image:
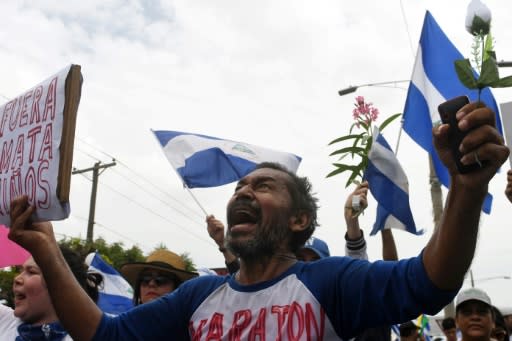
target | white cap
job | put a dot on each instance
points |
(472, 294)
(505, 311)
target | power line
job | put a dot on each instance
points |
(148, 209)
(122, 235)
(162, 201)
(96, 148)
(113, 231)
(187, 230)
(407, 29)
(145, 190)
(156, 187)
(88, 154)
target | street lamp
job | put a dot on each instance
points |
(484, 279)
(353, 88)
(505, 64)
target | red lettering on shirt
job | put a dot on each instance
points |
(258, 329)
(241, 320)
(195, 334)
(311, 321)
(281, 312)
(215, 328)
(295, 325)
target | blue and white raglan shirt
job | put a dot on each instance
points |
(329, 299)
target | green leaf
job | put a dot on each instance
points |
(465, 73)
(352, 150)
(352, 177)
(352, 127)
(356, 141)
(489, 73)
(364, 125)
(345, 166)
(488, 47)
(340, 168)
(336, 172)
(346, 137)
(389, 120)
(504, 82)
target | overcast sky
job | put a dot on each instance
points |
(262, 72)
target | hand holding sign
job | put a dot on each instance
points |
(37, 134)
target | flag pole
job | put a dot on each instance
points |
(195, 199)
(183, 181)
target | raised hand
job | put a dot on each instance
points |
(215, 230)
(508, 189)
(483, 144)
(32, 236)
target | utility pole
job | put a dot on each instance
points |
(92, 208)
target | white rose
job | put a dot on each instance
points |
(478, 18)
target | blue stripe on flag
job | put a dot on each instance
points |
(205, 161)
(434, 80)
(116, 294)
(388, 184)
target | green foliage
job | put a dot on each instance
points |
(114, 254)
(6, 280)
(465, 73)
(484, 57)
(189, 263)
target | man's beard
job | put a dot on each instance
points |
(266, 242)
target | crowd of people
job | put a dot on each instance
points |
(283, 282)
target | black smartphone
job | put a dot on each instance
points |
(447, 111)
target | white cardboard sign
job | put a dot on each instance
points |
(30, 135)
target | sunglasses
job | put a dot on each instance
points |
(159, 280)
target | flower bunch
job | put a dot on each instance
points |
(478, 23)
(364, 112)
(359, 145)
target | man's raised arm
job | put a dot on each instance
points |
(450, 250)
(76, 311)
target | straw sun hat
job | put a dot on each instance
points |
(161, 260)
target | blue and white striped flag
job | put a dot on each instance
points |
(434, 80)
(205, 161)
(388, 184)
(116, 295)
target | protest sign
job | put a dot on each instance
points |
(506, 118)
(37, 130)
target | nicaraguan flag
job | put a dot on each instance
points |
(388, 184)
(434, 81)
(116, 295)
(205, 161)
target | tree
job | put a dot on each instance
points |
(189, 263)
(6, 279)
(114, 254)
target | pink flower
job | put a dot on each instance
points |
(364, 111)
(374, 114)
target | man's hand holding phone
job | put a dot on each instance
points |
(468, 143)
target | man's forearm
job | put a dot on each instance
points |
(450, 251)
(76, 311)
